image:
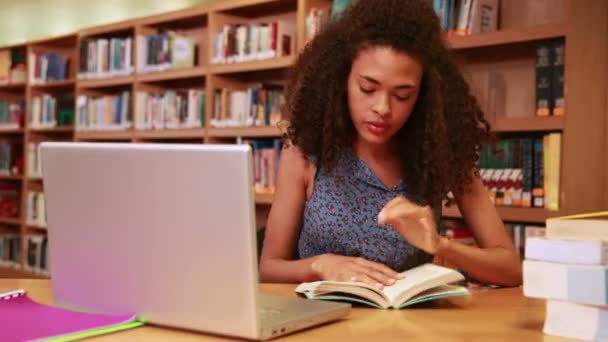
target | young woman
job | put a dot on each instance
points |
(382, 127)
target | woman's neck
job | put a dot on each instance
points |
(367, 151)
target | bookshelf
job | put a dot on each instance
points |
(504, 58)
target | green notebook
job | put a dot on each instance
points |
(420, 284)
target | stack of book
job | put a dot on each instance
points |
(569, 268)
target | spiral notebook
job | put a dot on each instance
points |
(23, 319)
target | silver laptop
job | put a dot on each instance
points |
(166, 231)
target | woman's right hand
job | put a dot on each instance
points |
(354, 269)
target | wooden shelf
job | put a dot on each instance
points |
(12, 86)
(56, 129)
(264, 197)
(36, 228)
(510, 214)
(253, 132)
(105, 82)
(260, 65)
(505, 37)
(10, 220)
(531, 124)
(174, 74)
(170, 133)
(10, 272)
(104, 135)
(55, 84)
(11, 131)
(11, 177)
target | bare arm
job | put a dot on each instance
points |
(495, 260)
(284, 221)
(296, 175)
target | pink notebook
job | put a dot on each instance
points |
(22, 319)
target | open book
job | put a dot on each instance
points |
(420, 284)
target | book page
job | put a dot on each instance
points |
(419, 279)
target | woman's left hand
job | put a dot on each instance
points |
(415, 223)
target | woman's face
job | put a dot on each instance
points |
(383, 86)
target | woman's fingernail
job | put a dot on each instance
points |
(391, 281)
(380, 286)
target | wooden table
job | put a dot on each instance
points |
(487, 315)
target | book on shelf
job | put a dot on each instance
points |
(5, 67)
(314, 23)
(48, 111)
(12, 66)
(11, 114)
(466, 17)
(255, 106)
(36, 209)
(420, 284)
(171, 109)
(167, 50)
(266, 156)
(11, 160)
(36, 254)
(249, 42)
(47, 67)
(523, 172)
(105, 113)
(105, 57)
(10, 250)
(549, 75)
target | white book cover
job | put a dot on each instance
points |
(582, 252)
(584, 284)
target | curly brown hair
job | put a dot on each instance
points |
(439, 143)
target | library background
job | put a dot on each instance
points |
(214, 72)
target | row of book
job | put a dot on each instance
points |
(109, 112)
(568, 268)
(47, 67)
(36, 254)
(549, 74)
(34, 163)
(248, 42)
(105, 57)
(255, 106)
(36, 209)
(10, 159)
(314, 23)
(167, 50)
(12, 66)
(11, 114)
(464, 17)
(266, 154)
(10, 250)
(9, 199)
(171, 109)
(48, 111)
(523, 172)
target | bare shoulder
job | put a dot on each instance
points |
(296, 164)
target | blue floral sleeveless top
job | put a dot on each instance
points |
(341, 217)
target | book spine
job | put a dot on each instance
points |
(543, 79)
(558, 77)
(538, 193)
